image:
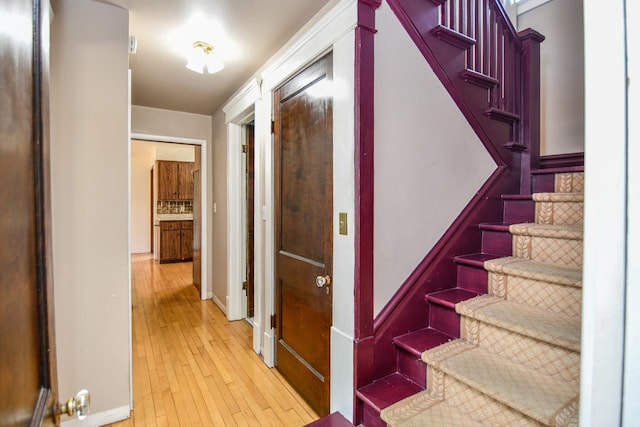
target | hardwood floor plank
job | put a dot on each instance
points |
(191, 367)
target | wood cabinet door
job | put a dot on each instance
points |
(185, 181)
(186, 244)
(167, 180)
(170, 247)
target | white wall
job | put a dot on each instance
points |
(605, 289)
(562, 74)
(175, 152)
(428, 161)
(143, 155)
(89, 168)
(219, 217)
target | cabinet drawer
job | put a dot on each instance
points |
(170, 225)
(187, 225)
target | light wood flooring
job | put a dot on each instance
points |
(191, 367)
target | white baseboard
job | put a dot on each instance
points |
(219, 303)
(101, 418)
(268, 349)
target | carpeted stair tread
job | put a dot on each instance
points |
(547, 230)
(421, 340)
(558, 197)
(423, 410)
(530, 269)
(543, 325)
(387, 391)
(541, 397)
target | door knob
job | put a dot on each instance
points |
(78, 405)
(323, 280)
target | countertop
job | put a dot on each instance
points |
(173, 217)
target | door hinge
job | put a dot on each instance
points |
(245, 286)
(273, 321)
(244, 148)
(273, 126)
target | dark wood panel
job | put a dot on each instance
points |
(185, 181)
(186, 244)
(167, 180)
(250, 130)
(170, 248)
(28, 387)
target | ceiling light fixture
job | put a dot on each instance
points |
(203, 56)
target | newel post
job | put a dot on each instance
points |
(363, 292)
(530, 159)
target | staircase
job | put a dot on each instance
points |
(517, 361)
(506, 276)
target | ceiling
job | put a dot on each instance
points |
(249, 33)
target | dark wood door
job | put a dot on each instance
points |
(250, 180)
(304, 205)
(28, 388)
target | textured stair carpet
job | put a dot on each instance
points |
(517, 362)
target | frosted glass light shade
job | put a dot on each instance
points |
(203, 56)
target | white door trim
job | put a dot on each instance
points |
(238, 111)
(206, 291)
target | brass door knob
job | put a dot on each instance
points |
(76, 406)
(322, 281)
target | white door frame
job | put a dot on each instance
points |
(205, 291)
(238, 112)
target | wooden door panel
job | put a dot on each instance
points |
(185, 180)
(167, 180)
(304, 206)
(305, 325)
(186, 243)
(170, 249)
(28, 387)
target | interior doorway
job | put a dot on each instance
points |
(150, 213)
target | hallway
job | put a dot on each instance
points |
(191, 367)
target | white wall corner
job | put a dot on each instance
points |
(342, 373)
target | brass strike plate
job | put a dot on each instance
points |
(342, 223)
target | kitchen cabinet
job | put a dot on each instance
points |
(175, 180)
(176, 241)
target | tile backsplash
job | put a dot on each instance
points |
(174, 207)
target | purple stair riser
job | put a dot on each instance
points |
(335, 419)
(517, 211)
(543, 183)
(444, 319)
(371, 417)
(472, 279)
(496, 243)
(412, 367)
